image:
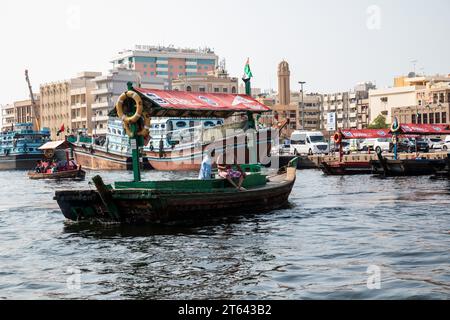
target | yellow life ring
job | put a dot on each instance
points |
(139, 107)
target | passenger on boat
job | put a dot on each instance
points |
(206, 167)
(226, 171)
(38, 168)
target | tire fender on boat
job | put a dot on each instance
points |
(338, 137)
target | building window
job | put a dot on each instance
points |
(233, 90)
(425, 118)
(202, 89)
(225, 90)
(438, 117)
(188, 89)
(413, 118)
(216, 90)
(419, 119)
(444, 117)
(431, 118)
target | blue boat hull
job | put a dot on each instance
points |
(20, 162)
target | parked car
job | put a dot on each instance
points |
(446, 145)
(382, 145)
(435, 143)
(366, 144)
(346, 147)
(411, 145)
(308, 142)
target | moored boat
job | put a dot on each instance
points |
(19, 146)
(58, 165)
(166, 201)
(346, 168)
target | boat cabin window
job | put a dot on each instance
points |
(209, 124)
(181, 124)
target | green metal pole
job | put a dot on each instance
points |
(136, 142)
(252, 125)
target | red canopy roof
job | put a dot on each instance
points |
(366, 133)
(405, 129)
(177, 103)
(425, 129)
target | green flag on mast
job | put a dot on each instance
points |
(247, 71)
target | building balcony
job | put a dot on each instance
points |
(353, 115)
(101, 105)
(79, 119)
(78, 106)
(100, 91)
(340, 116)
(100, 118)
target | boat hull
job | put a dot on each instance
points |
(147, 206)
(93, 159)
(409, 167)
(20, 162)
(346, 168)
(69, 174)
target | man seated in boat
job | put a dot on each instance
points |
(226, 171)
(39, 167)
(206, 166)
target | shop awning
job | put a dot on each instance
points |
(366, 133)
(53, 145)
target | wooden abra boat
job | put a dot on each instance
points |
(165, 201)
(346, 168)
(407, 167)
(57, 152)
(77, 174)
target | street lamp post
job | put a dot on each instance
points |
(302, 105)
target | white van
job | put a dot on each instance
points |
(308, 142)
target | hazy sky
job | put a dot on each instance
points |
(329, 44)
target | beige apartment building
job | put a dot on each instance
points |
(435, 111)
(351, 108)
(8, 117)
(23, 110)
(66, 100)
(217, 81)
(411, 95)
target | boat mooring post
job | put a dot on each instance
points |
(136, 142)
(251, 125)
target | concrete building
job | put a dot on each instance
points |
(109, 87)
(217, 81)
(64, 101)
(413, 92)
(167, 62)
(351, 107)
(435, 111)
(23, 110)
(81, 100)
(256, 92)
(8, 118)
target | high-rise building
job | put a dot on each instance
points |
(109, 87)
(168, 63)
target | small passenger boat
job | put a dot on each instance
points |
(345, 168)
(167, 201)
(58, 164)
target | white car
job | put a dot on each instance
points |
(382, 145)
(308, 142)
(446, 145)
